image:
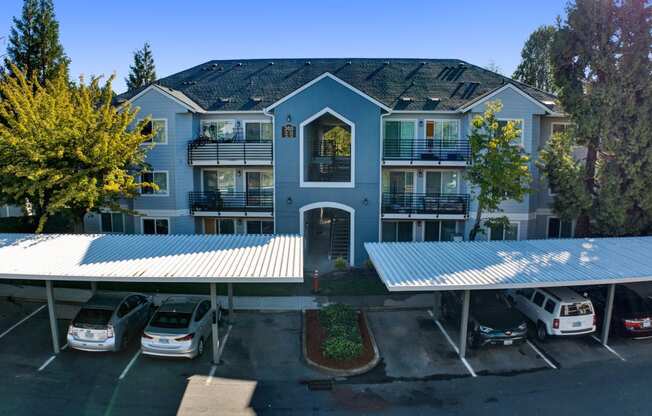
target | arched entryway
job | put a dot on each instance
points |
(328, 229)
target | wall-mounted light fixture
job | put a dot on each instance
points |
(238, 172)
(289, 200)
(289, 119)
(365, 201)
(420, 173)
(420, 123)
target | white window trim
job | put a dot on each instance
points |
(214, 119)
(244, 130)
(122, 214)
(439, 120)
(310, 184)
(327, 204)
(558, 123)
(142, 224)
(441, 185)
(167, 184)
(522, 142)
(518, 231)
(560, 221)
(164, 120)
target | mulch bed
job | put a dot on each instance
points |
(316, 335)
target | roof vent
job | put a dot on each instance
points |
(308, 62)
(348, 62)
(386, 63)
(548, 102)
(434, 99)
(256, 99)
(239, 64)
(225, 100)
(406, 99)
(214, 65)
(271, 62)
(423, 62)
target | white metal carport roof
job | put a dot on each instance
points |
(153, 258)
(428, 266)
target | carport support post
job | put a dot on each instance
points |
(49, 293)
(93, 288)
(436, 305)
(606, 322)
(229, 289)
(464, 322)
(216, 333)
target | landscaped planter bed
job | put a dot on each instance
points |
(315, 335)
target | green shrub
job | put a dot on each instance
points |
(369, 265)
(340, 348)
(349, 332)
(341, 264)
(337, 314)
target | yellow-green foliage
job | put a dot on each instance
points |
(64, 146)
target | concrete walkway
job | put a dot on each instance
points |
(269, 303)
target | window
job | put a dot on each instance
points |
(500, 233)
(219, 226)
(222, 180)
(160, 178)
(203, 307)
(445, 133)
(502, 123)
(156, 226)
(538, 299)
(399, 138)
(158, 125)
(526, 293)
(398, 182)
(560, 128)
(113, 222)
(218, 129)
(439, 230)
(442, 182)
(397, 231)
(550, 306)
(327, 146)
(258, 131)
(559, 229)
(260, 227)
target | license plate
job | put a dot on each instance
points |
(646, 323)
(164, 340)
(577, 324)
(508, 342)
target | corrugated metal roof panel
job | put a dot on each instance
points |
(152, 258)
(414, 266)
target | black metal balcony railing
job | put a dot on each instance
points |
(329, 169)
(250, 201)
(426, 150)
(416, 203)
(209, 150)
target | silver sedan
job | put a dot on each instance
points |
(181, 327)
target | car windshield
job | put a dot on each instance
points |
(92, 316)
(171, 320)
(576, 309)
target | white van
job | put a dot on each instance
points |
(555, 311)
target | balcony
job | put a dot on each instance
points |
(425, 206)
(258, 203)
(425, 153)
(209, 152)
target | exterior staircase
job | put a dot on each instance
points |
(339, 244)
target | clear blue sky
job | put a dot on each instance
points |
(100, 37)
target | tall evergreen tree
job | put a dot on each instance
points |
(536, 67)
(142, 72)
(34, 45)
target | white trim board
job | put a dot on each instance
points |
(337, 205)
(157, 87)
(334, 78)
(467, 107)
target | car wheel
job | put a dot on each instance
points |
(542, 333)
(200, 347)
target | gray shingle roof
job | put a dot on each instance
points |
(401, 84)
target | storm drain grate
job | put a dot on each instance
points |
(320, 385)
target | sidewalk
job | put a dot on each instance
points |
(263, 303)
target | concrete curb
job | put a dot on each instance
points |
(336, 372)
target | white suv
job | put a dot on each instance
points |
(555, 311)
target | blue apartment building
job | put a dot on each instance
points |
(341, 151)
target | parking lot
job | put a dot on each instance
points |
(260, 349)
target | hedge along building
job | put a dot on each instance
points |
(342, 151)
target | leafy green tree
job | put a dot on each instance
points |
(536, 67)
(565, 176)
(142, 72)
(34, 45)
(499, 168)
(66, 148)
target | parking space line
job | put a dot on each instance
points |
(209, 380)
(452, 344)
(49, 360)
(541, 354)
(211, 374)
(22, 320)
(128, 367)
(611, 350)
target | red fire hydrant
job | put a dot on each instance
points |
(315, 281)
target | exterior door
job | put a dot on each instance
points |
(259, 187)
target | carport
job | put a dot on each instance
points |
(202, 259)
(467, 266)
